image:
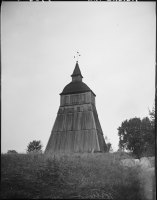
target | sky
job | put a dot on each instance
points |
(116, 41)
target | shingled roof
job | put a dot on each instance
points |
(77, 71)
(76, 87)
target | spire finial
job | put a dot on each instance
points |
(77, 55)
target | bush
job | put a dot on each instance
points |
(34, 147)
(68, 176)
(11, 152)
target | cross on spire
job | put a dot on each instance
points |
(77, 56)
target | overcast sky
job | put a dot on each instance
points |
(116, 41)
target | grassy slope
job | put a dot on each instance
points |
(27, 176)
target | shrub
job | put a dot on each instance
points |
(34, 147)
(68, 176)
(11, 152)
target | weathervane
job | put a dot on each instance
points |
(77, 55)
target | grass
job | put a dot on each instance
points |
(75, 176)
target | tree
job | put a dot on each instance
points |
(109, 147)
(148, 133)
(129, 135)
(152, 116)
(136, 135)
(11, 152)
(34, 147)
(108, 144)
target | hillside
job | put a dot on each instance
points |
(78, 176)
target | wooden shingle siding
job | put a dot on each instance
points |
(98, 126)
(76, 132)
(77, 141)
(75, 121)
(77, 127)
(80, 98)
(102, 143)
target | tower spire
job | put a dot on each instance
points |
(77, 76)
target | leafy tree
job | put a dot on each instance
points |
(109, 147)
(136, 135)
(152, 116)
(34, 147)
(148, 133)
(108, 144)
(11, 152)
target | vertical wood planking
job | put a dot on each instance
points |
(80, 98)
(77, 127)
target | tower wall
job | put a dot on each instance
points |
(77, 78)
(79, 98)
(77, 127)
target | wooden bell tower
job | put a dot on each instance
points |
(77, 127)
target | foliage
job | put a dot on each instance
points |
(34, 147)
(136, 135)
(11, 152)
(108, 145)
(152, 116)
(98, 176)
